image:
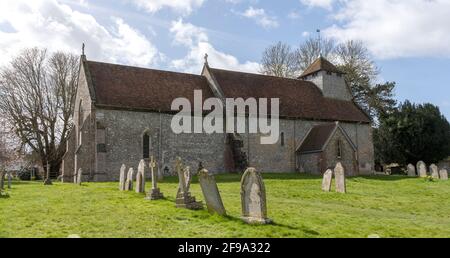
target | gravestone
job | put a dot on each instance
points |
(79, 176)
(422, 169)
(443, 174)
(156, 192)
(129, 181)
(326, 182)
(184, 198)
(140, 177)
(122, 177)
(411, 170)
(253, 198)
(434, 171)
(211, 193)
(339, 174)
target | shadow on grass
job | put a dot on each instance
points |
(388, 178)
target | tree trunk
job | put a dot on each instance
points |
(54, 169)
(2, 180)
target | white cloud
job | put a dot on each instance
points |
(56, 26)
(197, 42)
(395, 28)
(260, 17)
(181, 6)
(327, 4)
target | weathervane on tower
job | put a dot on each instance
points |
(82, 48)
(319, 42)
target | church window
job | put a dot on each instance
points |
(282, 139)
(80, 121)
(146, 146)
(339, 149)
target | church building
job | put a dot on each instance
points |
(123, 114)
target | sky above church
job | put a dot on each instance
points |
(409, 39)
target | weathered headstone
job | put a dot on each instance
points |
(422, 169)
(443, 174)
(211, 193)
(253, 198)
(326, 182)
(184, 198)
(122, 177)
(156, 192)
(434, 171)
(129, 181)
(411, 170)
(339, 174)
(79, 176)
(140, 177)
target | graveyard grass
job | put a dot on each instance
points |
(386, 206)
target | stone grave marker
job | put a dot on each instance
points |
(327, 179)
(211, 193)
(79, 176)
(122, 177)
(156, 192)
(443, 174)
(140, 177)
(411, 170)
(129, 181)
(422, 169)
(434, 171)
(184, 198)
(339, 174)
(253, 198)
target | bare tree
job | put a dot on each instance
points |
(279, 60)
(38, 92)
(311, 49)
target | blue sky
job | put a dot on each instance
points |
(409, 39)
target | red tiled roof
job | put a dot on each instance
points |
(298, 98)
(139, 88)
(321, 64)
(317, 137)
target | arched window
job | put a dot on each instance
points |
(146, 146)
(282, 139)
(80, 121)
(339, 149)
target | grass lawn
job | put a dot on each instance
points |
(387, 206)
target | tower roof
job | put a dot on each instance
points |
(321, 64)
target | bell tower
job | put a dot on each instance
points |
(328, 79)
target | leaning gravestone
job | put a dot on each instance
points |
(339, 174)
(129, 182)
(411, 170)
(184, 198)
(122, 177)
(422, 169)
(211, 193)
(326, 182)
(253, 198)
(140, 177)
(443, 174)
(434, 171)
(156, 192)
